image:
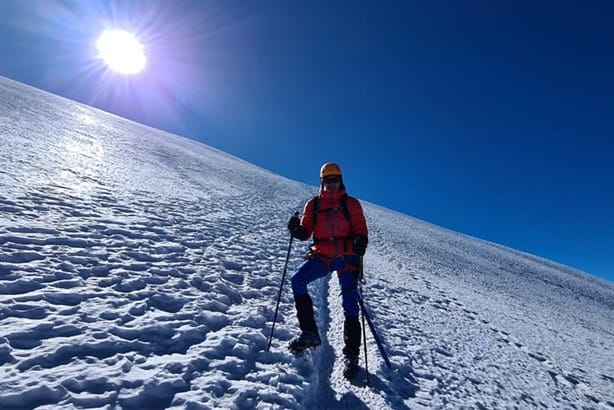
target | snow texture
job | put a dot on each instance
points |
(140, 270)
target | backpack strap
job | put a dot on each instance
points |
(316, 209)
(345, 210)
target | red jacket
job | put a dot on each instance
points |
(331, 232)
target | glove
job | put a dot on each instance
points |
(294, 225)
(360, 244)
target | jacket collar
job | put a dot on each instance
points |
(332, 195)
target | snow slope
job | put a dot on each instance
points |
(139, 270)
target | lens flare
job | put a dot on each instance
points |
(121, 51)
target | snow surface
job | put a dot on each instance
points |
(140, 270)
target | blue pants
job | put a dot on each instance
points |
(313, 269)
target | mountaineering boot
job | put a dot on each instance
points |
(350, 367)
(309, 331)
(305, 341)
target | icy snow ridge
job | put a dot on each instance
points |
(139, 270)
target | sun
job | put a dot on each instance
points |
(121, 51)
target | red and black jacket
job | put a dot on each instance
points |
(332, 232)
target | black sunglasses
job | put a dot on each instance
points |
(331, 180)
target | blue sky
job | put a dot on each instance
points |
(490, 118)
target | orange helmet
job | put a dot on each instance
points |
(330, 169)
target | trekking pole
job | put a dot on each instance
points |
(378, 340)
(362, 314)
(281, 287)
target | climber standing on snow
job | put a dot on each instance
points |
(339, 230)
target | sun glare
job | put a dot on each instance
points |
(121, 51)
